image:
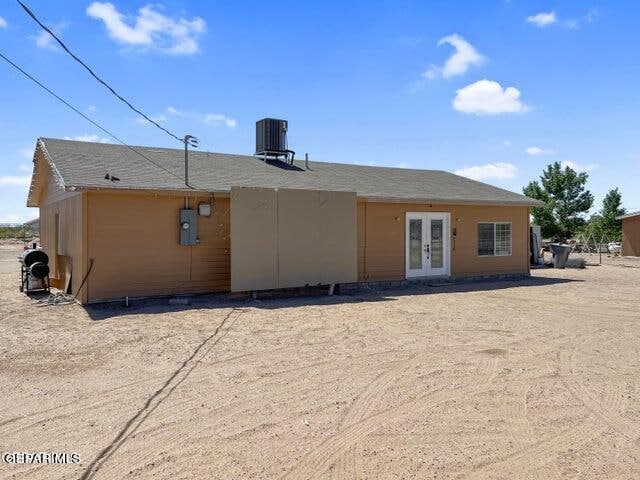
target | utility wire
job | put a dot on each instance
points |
(48, 90)
(94, 75)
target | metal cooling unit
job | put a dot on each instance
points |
(271, 139)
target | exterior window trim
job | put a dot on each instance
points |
(495, 238)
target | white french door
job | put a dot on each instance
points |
(427, 244)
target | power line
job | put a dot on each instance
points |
(59, 98)
(93, 74)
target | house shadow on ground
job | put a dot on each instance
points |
(304, 297)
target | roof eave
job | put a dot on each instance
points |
(374, 199)
(628, 215)
(449, 201)
(35, 202)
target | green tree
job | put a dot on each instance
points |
(605, 223)
(565, 201)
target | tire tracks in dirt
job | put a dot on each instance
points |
(247, 400)
(88, 403)
(522, 433)
(349, 465)
(174, 381)
(320, 459)
(536, 455)
(604, 411)
(530, 457)
(520, 429)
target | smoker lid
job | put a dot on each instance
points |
(29, 257)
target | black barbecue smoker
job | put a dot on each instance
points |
(34, 270)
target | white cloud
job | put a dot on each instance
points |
(3, 23)
(23, 167)
(487, 97)
(44, 40)
(498, 171)
(174, 111)
(156, 118)
(506, 143)
(92, 108)
(537, 151)
(150, 29)
(586, 19)
(579, 167)
(464, 56)
(542, 19)
(217, 119)
(88, 138)
(15, 180)
(591, 16)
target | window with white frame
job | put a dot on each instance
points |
(494, 239)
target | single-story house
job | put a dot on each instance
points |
(120, 222)
(630, 234)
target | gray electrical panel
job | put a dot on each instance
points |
(188, 227)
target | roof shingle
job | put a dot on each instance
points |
(84, 165)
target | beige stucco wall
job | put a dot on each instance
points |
(381, 239)
(291, 238)
(254, 238)
(631, 236)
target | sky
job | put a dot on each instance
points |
(492, 90)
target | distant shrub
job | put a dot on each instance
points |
(12, 231)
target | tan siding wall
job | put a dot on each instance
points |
(134, 243)
(381, 239)
(631, 236)
(64, 242)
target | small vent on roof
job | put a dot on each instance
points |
(111, 177)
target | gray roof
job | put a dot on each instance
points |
(83, 165)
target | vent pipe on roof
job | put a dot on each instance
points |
(306, 161)
(193, 141)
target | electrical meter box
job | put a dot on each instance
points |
(188, 227)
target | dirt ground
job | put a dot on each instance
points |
(531, 379)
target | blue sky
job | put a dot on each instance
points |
(494, 90)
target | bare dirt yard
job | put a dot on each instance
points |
(531, 379)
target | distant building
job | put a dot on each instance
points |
(630, 234)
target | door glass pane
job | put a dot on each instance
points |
(415, 244)
(437, 244)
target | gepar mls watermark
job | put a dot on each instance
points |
(57, 458)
